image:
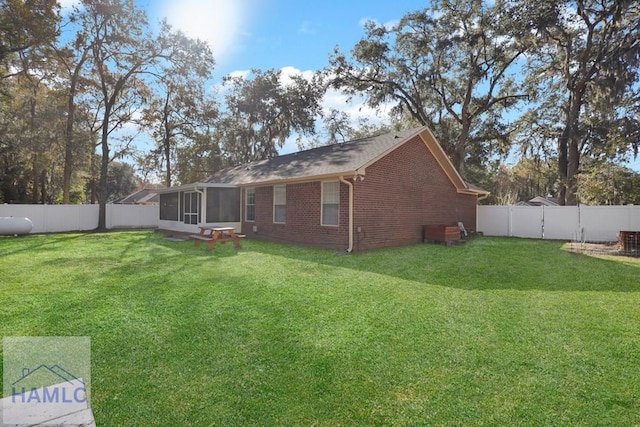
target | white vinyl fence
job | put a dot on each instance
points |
(57, 218)
(588, 223)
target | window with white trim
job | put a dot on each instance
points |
(330, 203)
(280, 204)
(250, 204)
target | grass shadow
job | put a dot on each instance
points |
(484, 263)
(187, 247)
(10, 245)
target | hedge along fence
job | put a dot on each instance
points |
(588, 223)
(58, 218)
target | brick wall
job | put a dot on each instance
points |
(303, 217)
(400, 194)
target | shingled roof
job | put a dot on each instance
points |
(335, 159)
(348, 159)
(146, 195)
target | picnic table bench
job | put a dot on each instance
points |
(214, 235)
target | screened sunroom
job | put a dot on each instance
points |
(187, 207)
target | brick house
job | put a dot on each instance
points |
(363, 194)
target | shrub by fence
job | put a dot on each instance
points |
(57, 218)
(588, 223)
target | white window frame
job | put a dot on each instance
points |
(322, 203)
(248, 190)
(277, 201)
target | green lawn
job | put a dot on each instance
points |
(495, 332)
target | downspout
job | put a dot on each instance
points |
(350, 185)
(484, 196)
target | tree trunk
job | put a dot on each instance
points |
(104, 170)
(572, 171)
(167, 158)
(66, 177)
(92, 180)
(460, 148)
(573, 151)
(102, 192)
(68, 146)
(69, 142)
(568, 152)
(167, 140)
(459, 162)
(562, 164)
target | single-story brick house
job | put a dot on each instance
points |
(363, 194)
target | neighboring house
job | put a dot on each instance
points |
(540, 201)
(146, 196)
(363, 194)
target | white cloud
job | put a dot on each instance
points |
(355, 107)
(66, 5)
(388, 25)
(220, 89)
(308, 27)
(218, 22)
(240, 73)
(286, 74)
(288, 71)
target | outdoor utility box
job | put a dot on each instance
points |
(441, 233)
(630, 241)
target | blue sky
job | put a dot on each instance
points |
(268, 34)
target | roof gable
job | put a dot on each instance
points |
(445, 163)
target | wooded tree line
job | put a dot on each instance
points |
(554, 81)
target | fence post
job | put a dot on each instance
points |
(45, 216)
(580, 231)
(108, 216)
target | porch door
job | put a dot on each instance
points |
(191, 207)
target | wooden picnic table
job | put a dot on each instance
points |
(213, 235)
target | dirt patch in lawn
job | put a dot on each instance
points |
(608, 248)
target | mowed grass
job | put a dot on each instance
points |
(495, 332)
